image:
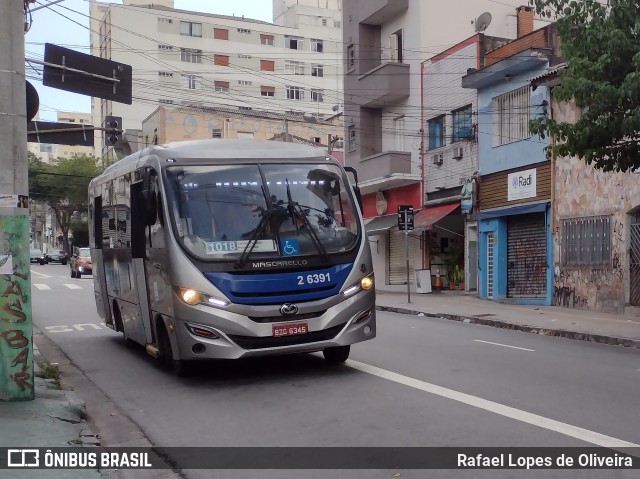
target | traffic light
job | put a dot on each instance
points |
(113, 133)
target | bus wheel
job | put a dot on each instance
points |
(177, 366)
(338, 354)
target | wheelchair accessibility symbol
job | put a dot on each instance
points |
(289, 247)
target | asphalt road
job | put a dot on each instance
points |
(421, 382)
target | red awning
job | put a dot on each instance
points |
(430, 215)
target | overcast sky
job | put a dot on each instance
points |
(51, 27)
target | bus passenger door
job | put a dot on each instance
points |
(138, 257)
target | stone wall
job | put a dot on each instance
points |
(581, 190)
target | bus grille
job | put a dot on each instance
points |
(252, 342)
(277, 319)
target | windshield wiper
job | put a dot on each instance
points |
(294, 207)
(264, 221)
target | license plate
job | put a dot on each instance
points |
(290, 329)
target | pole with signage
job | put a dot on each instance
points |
(405, 223)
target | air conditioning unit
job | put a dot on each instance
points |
(437, 159)
(458, 153)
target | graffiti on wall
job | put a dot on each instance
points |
(16, 364)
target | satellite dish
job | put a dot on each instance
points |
(483, 22)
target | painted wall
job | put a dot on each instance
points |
(581, 190)
(493, 158)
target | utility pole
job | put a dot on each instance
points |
(16, 328)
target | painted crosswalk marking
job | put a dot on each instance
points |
(72, 286)
(41, 287)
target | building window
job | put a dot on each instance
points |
(293, 43)
(166, 101)
(436, 132)
(267, 65)
(462, 124)
(244, 57)
(586, 241)
(243, 30)
(511, 114)
(317, 70)
(190, 56)
(220, 34)
(164, 47)
(191, 29)
(316, 45)
(266, 39)
(221, 60)
(267, 91)
(46, 148)
(189, 81)
(244, 82)
(295, 92)
(352, 137)
(164, 20)
(395, 47)
(165, 74)
(216, 133)
(317, 95)
(324, 22)
(336, 23)
(222, 86)
(293, 68)
(351, 58)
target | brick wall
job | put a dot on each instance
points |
(537, 39)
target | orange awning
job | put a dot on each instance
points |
(430, 215)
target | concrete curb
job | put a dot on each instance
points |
(497, 323)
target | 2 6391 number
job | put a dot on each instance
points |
(314, 279)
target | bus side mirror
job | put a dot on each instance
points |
(149, 205)
(356, 188)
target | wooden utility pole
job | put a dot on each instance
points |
(16, 328)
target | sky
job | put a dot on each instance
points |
(51, 27)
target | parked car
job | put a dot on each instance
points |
(36, 256)
(80, 262)
(56, 256)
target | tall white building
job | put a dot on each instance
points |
(186, 58)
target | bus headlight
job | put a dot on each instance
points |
(190, 296)
(365, 284)
(193, 297)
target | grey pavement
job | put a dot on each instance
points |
(55, 418)
(546, 320)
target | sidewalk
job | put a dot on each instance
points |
(55, 418)
(548, 320)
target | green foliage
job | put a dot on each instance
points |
(600, 42)
(63, 186)
(80, 233)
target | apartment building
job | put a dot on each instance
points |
(385, 43)
(183, 58)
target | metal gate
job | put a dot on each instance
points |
(397, 258)
(527, 256)
(634, 265)
(491, 241)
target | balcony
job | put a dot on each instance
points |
(386, 84)
(377, 12)
(384, 166)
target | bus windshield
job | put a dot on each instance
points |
(276, 209)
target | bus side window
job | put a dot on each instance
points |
(97, 222)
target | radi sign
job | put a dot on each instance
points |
(521, 185)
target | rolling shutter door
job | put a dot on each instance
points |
(397, 259)
(527, 256)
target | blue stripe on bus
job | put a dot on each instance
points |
(276, 288)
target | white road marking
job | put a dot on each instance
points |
(494, 407)
(42, 287)
(72, 286)
(503, 345)
(41, 275)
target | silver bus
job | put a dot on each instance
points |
(231, 249)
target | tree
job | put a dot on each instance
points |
(63, 186)
(600, 42)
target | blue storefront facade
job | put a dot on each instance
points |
(515, 253)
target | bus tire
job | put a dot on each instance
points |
(176, 366)
(338, 354)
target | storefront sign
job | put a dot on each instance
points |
(521, 185)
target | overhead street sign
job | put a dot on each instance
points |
(405, 217)
(77, 72)
(60, 133)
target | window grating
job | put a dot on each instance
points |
(586, 241)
